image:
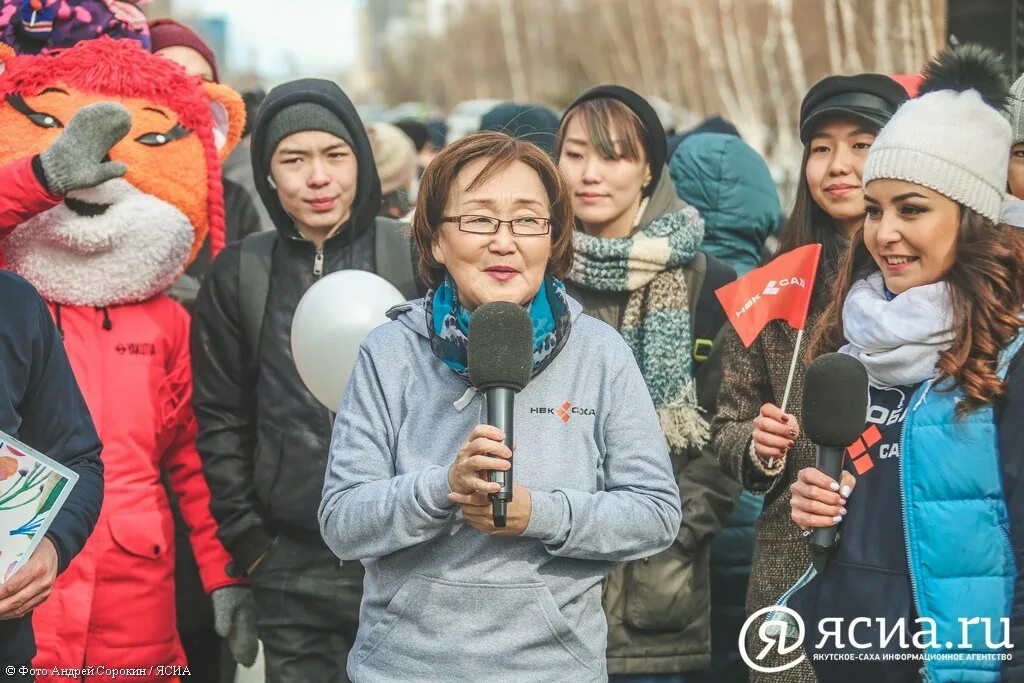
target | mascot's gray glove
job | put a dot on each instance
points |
(234, 618)
(78, 158)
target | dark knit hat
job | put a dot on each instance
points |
(300, 117)
(872, 98)
(168, 33)
(438, 132)
(657, 146)
(416, 130)
(530, 122)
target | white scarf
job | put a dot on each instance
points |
(898, 341)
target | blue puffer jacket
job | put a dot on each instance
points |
(957, 527)
(730, 185)
(957, 531)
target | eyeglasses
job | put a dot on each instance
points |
(487, 225)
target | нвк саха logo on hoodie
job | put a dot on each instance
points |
(563, 412)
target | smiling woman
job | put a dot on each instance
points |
(486, 262)
(406, 489)
(755, 440)
(930, 300)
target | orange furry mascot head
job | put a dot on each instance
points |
(129, 238)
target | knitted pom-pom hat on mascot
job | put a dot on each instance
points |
(102, 253)
(152, 222)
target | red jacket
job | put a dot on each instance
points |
(114, 606)
(21, 194)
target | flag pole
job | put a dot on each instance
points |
(792, 369)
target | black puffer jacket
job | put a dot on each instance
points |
(263, 437)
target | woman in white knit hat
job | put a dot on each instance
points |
(930, 300)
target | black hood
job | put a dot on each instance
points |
(327, 94)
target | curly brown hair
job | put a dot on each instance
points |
(501, 151)
(986, 283)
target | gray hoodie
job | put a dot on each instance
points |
(443, 601)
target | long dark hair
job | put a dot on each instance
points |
(987, 286)
(809, 224)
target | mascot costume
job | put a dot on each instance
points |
(109, 182)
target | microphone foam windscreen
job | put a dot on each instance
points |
(835, 400)
(500, 352)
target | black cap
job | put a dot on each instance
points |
(657, 145)
(872, 98)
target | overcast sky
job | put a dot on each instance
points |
(317, 35)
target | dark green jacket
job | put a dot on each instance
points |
(729, 183)
(658, 608)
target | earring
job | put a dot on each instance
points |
(271, 182)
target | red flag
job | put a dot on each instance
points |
(780, 290)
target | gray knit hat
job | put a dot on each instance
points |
(298, 118)
(1015, 110)
(953, 138)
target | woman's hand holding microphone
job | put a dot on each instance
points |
(817, 500)
(484, 450)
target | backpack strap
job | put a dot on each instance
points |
(709, 316)
(254, 264)
(395, 255)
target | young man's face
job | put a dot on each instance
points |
(315, 174)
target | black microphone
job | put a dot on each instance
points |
(834, 413)
(500, 363)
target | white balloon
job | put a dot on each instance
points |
(332, 319)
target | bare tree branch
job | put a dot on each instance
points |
(513, 58)
(832, 37)
(747, 112)
(712, 50)
(784, 150)
(853, 61)
(931, 44)
(642, 41)
(909, 40)
(622, 54)
(883, 52)
(676, 65)
(791, 45)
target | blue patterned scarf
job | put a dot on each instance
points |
(448, 323)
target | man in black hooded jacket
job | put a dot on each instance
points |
(263, 437)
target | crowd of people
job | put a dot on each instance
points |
(158, 241)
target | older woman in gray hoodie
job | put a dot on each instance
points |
(449, 596)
